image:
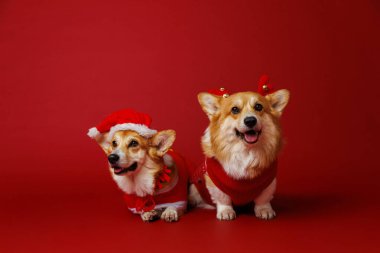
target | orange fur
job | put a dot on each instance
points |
(149, 156)
(226, 140)
(221, 142)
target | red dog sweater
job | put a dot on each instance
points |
(241, 192)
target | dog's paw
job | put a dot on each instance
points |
(226, 213)
(265, 212)
(169, 215)
(150, 216)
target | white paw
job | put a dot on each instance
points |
(226, 213)
(149, 216)
(265, 212)
(169, 215)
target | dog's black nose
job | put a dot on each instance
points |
(250, 121)
(113, 158)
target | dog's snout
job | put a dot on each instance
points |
(250, 121)
(113, 158)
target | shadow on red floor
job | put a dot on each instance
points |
(102, 223)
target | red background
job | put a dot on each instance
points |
(64, 65)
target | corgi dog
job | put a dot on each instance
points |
(240, 145)
(153, 177)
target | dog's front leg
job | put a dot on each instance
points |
(225, 212)
(172, 213)
(263, 209)
(224, 209)
(150, 215)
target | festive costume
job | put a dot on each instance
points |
(242, 191)
(175, 195)
(175, 192)
(126, 119)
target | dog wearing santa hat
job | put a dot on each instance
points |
(241, 145)
(152, 176)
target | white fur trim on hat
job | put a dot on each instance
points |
(140, 129)
(93, 132)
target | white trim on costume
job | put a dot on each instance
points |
(142, 130)
(178, 205)
(93, 132)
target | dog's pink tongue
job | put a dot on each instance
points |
(117, 170)
(250, 138)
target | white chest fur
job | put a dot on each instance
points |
(140, 183)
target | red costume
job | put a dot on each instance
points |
(176, 196)
(241, 192)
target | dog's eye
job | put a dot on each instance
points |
(235, 110)
(258, 107)
(114, 144)
(133, 144)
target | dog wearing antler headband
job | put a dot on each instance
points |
(153, 177)
(241, 145)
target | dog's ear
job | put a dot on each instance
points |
(278, 100)
(103, 142)
(209, 103)
(163, 141)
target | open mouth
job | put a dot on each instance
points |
(250, 137)
(119, 170)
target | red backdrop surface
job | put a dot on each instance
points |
(64, 65)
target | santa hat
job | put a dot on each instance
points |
(127, 119)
